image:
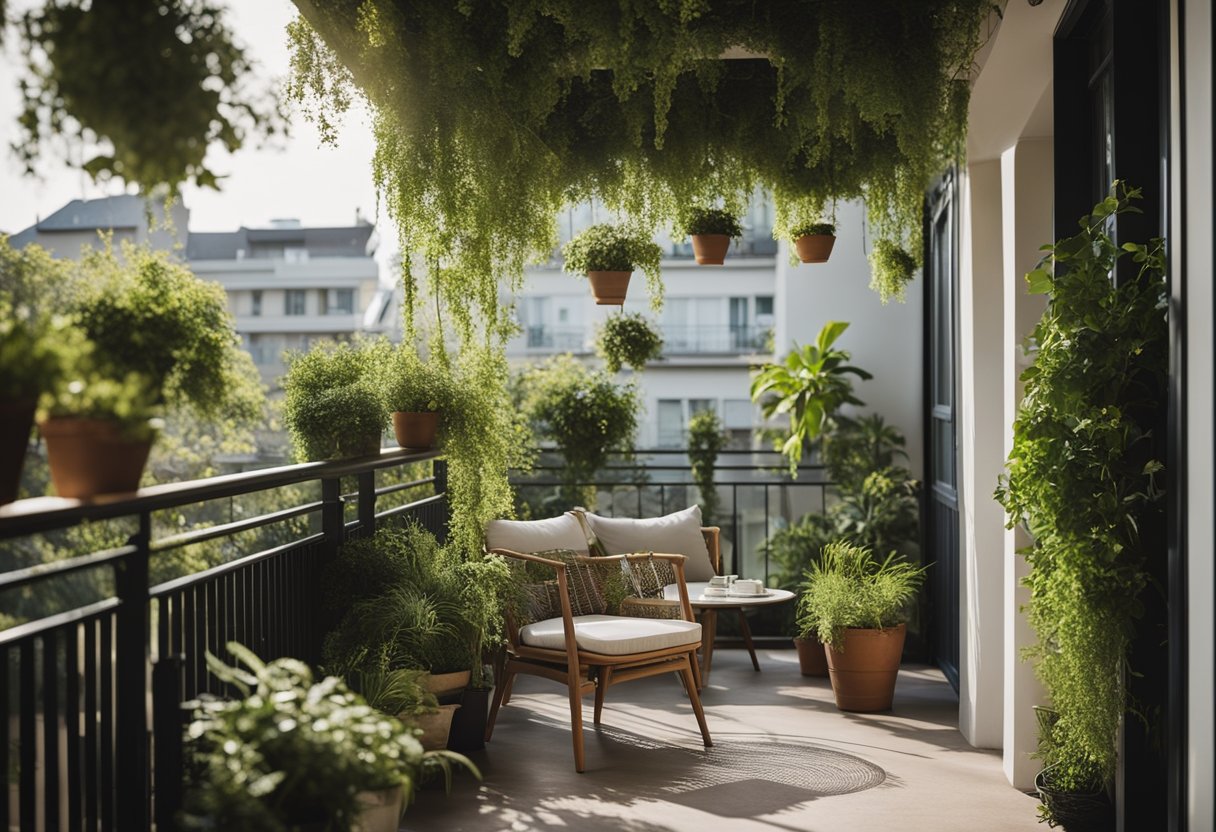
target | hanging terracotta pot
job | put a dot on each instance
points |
(815, 248)
(864, 669)
(609, 288)
(416, 430)
(16, 419)
(812, 659)
(92, 456)
(710, 249)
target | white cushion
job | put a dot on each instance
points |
(678, 534)
(612, 635)
(529, 536)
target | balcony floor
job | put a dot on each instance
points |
(783, 759)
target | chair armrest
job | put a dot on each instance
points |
(563, 592)
(508, 553)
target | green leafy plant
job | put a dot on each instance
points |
(849, 588)
(1082, 477)
(706, 438)
(413, 385)
(812, 230)
(332, 406)
(291, 751)
(583, 412)
(615, 248)
(892, 270)
(29, 360)
(149, 134)
(810, 385)
(627, 339)
(712, 221)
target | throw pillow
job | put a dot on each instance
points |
(678, 533)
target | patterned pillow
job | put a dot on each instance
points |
(582, 582)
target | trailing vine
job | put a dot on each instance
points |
(627, 338)
(1083, 478)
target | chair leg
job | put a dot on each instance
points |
(691, 686)
(601, 688)
(506, 689)
(500, 694)
(574, 683)
(747, 638)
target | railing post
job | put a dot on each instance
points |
(167, 734)
(439, 469)
(367, 503)
(333, 519)
(132, 772)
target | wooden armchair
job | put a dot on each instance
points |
(556, 632)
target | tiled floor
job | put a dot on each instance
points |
(783, 759)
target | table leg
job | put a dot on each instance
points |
(747, 638)
(709, 627)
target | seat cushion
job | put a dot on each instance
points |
(678, 533)
(531, 536)
(612, 635)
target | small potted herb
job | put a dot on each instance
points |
(415, 392)
(711, 230)
(627, 339)
(814, 241)
(856, 605)
(295, 753)
(333, 408)
(608, 254)
(892, 270)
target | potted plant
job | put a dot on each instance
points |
(332, 406)
(814, 241)
(627, 338)
(415, 391)
(608, 254)
(812, 658)
(29, 364)
(892, 269)
(294, 753)
(405, 694)
(810, 385)
(856, 605)
(711, 230)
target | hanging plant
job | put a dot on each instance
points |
(608, 254)
(892, 269)
(144, 89)
(706, 438)
(627, 339)
(813, 242)
(711, 230)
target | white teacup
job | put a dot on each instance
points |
(719, 581)
(746, 586)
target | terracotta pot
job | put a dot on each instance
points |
(863, 671)
(812, 659)
(815, 248)
(16, 419)
(416, 430)
(435, 728)
(380, 811)
(441, 683)
(609, 288)
(710, 249)
(91, 456)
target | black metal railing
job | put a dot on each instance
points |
(93, 693)
(757, 495)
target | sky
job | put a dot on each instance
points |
(318, 185)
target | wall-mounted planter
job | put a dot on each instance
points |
(16, 419)
(609, 288)
(814, 248)
(416, 430)
(710, 249)
(92, 456)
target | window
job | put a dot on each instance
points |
(255, 303)
(671, 423)
(696, 406)
(295, 254)
(340, 302)
(764, 306)
(294, 302)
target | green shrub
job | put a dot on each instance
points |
(29, 360)
(616, 249)
(627, 339)
(849, 588)
(712, 221)
(332, 405)
(892, 270)
(413, 385)
(706, 437)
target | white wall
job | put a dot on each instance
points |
(887, 341)
(1191, 261)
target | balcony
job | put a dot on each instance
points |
(716, 340)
